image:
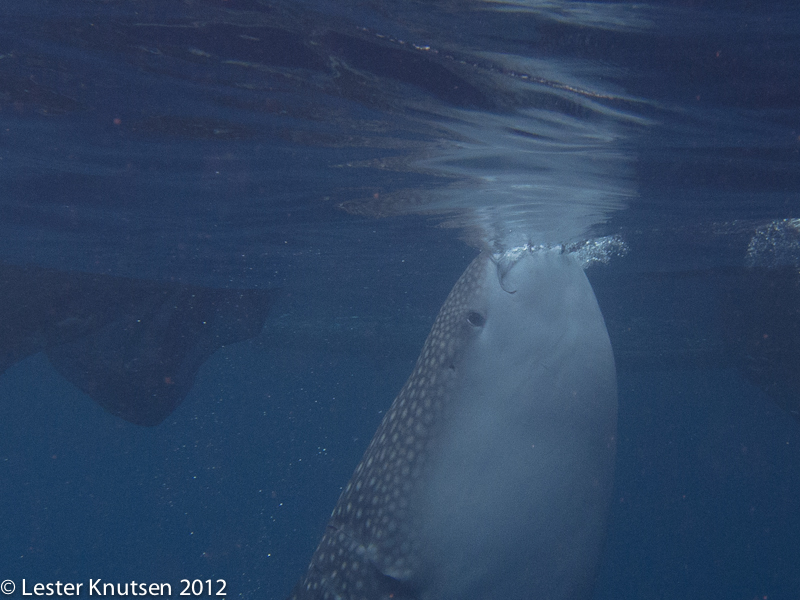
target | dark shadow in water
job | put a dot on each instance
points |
(132, 346)
(708, 319)
(763, 331)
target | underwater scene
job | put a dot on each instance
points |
(563, 236)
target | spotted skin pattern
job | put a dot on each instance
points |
(367, 551)
(489, 477)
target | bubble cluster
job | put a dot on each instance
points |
(775, 245)
(598, 250)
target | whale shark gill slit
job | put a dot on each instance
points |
(489, 478)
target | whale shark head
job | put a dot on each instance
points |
(490, 475)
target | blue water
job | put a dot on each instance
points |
(352, 157)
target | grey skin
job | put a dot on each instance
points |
(490, 476)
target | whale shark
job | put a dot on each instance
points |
(490, 476)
